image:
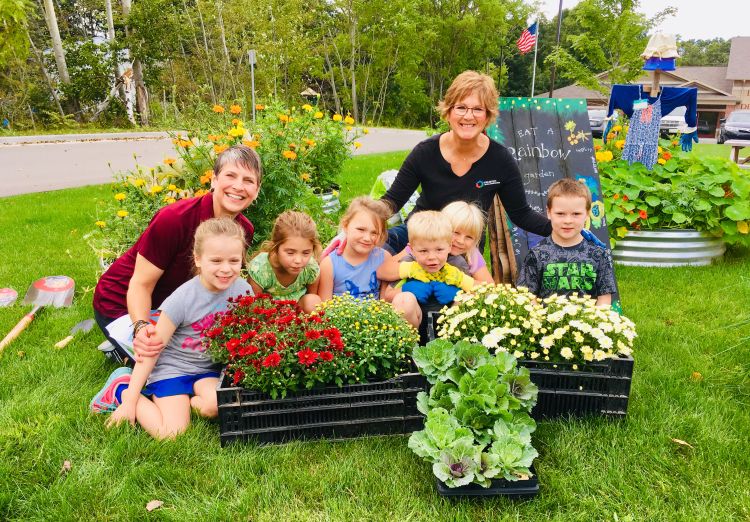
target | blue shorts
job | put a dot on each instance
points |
(182, 385)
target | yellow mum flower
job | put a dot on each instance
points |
(307, 107)
(119, 196)
(349, 120)
(100, 224)
(235, 109)
(289, 154)
(337, 117)
(218, 109)
(122, 213)
(660, 150)
(318, 115)
(169, 161)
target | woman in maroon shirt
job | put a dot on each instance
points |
(161, 259)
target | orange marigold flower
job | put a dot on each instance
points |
(206, 177)
(259, 106)
(218, 149)
(235, 109)
(252, 144)
(235, 121)
(292, 146)
(309, 142)
(305, 176)
(169, 161)
(284, 118)
(289, 154)
(218, 109)
(201, 192)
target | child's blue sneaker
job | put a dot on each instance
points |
(105, 401)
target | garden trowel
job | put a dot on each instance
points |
(53, 290)
(83, 326)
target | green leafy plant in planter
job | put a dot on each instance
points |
(682, 191)
(478, 426)
(379, 338)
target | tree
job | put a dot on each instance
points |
(57, 47)
(704, 52)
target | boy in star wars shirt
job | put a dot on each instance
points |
(564, 263)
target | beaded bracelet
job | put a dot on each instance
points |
(140, 323)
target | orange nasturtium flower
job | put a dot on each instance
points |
(337, 117)
(642, 214)
(667, 156)
(169, 161)
(235, 109)
(218, 109)
(310, 143)
(290, 155)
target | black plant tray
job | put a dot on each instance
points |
(332, 412)
(500, 487)
(597, 388)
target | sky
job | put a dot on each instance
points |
(699, 19)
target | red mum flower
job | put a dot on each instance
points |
(232, 345)
(307, 357)
(312, 334)
(326, 356)
(238, 376)
(642, 214)
(272, 360)
(270, 339)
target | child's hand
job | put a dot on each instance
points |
(412, 270)
(453, 276)
(124, 412)
(147, 343)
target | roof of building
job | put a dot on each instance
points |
(739, 59)
(715, 76)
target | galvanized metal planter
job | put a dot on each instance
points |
(668, 248)
(331, 202)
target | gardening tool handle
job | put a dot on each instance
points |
(64, 342)
(20, 327)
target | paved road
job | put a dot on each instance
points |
(41, 163)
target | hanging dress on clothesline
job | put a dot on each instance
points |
(642, 142)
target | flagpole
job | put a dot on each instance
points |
(536, 44)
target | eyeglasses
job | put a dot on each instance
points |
(477, 112)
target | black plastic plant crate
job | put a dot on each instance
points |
(597, 388)
(500, 487)
(332, 412)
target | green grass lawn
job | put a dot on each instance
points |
(689, 320)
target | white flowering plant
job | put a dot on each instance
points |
(557, 329)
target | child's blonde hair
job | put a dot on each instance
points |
(223, 227)
(290, 223)
(377, 209)
(570, 188)
(467, 218)
(429, 225)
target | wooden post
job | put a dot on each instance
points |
(655, 82)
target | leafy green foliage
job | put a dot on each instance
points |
(477, 424)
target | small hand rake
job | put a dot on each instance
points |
(52, 290)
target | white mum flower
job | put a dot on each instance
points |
(566, 353)
(547, 342)
(605, 342)
(517, 354)
(599, 355)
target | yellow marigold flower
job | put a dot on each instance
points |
(236, 132)
(660, 150)
(172, 187)
(305, 176)
(122, 213)
(337, 117)
(259, 106)
(318, 115)
(307, 107)
(284, 118)
(348, 127)
(169, 161)
(365, 130)
(349, 120)
(620, 144)
(100, 224)
(357, 144)
(617, 128)
(218, 109)
(252, 144)
(120, 196)
(139, 182)
(218, 149)
(201, 192)
(235, 109)
(155, 189)
(289, 154)
(661, 161)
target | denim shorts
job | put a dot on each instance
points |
(182, 385)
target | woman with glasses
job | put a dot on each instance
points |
(463, 164)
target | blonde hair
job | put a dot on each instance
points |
(466, 84)
(377, 209)
(218, 227)
(570, 188)
(429, 225)
(290, 223)
(467, 218)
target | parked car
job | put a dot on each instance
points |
(673, 122)
(597, 121)
(735, 127)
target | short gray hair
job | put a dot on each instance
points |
(241, 155)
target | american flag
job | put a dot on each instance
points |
(527, 39)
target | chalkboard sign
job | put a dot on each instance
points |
(551, 139)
